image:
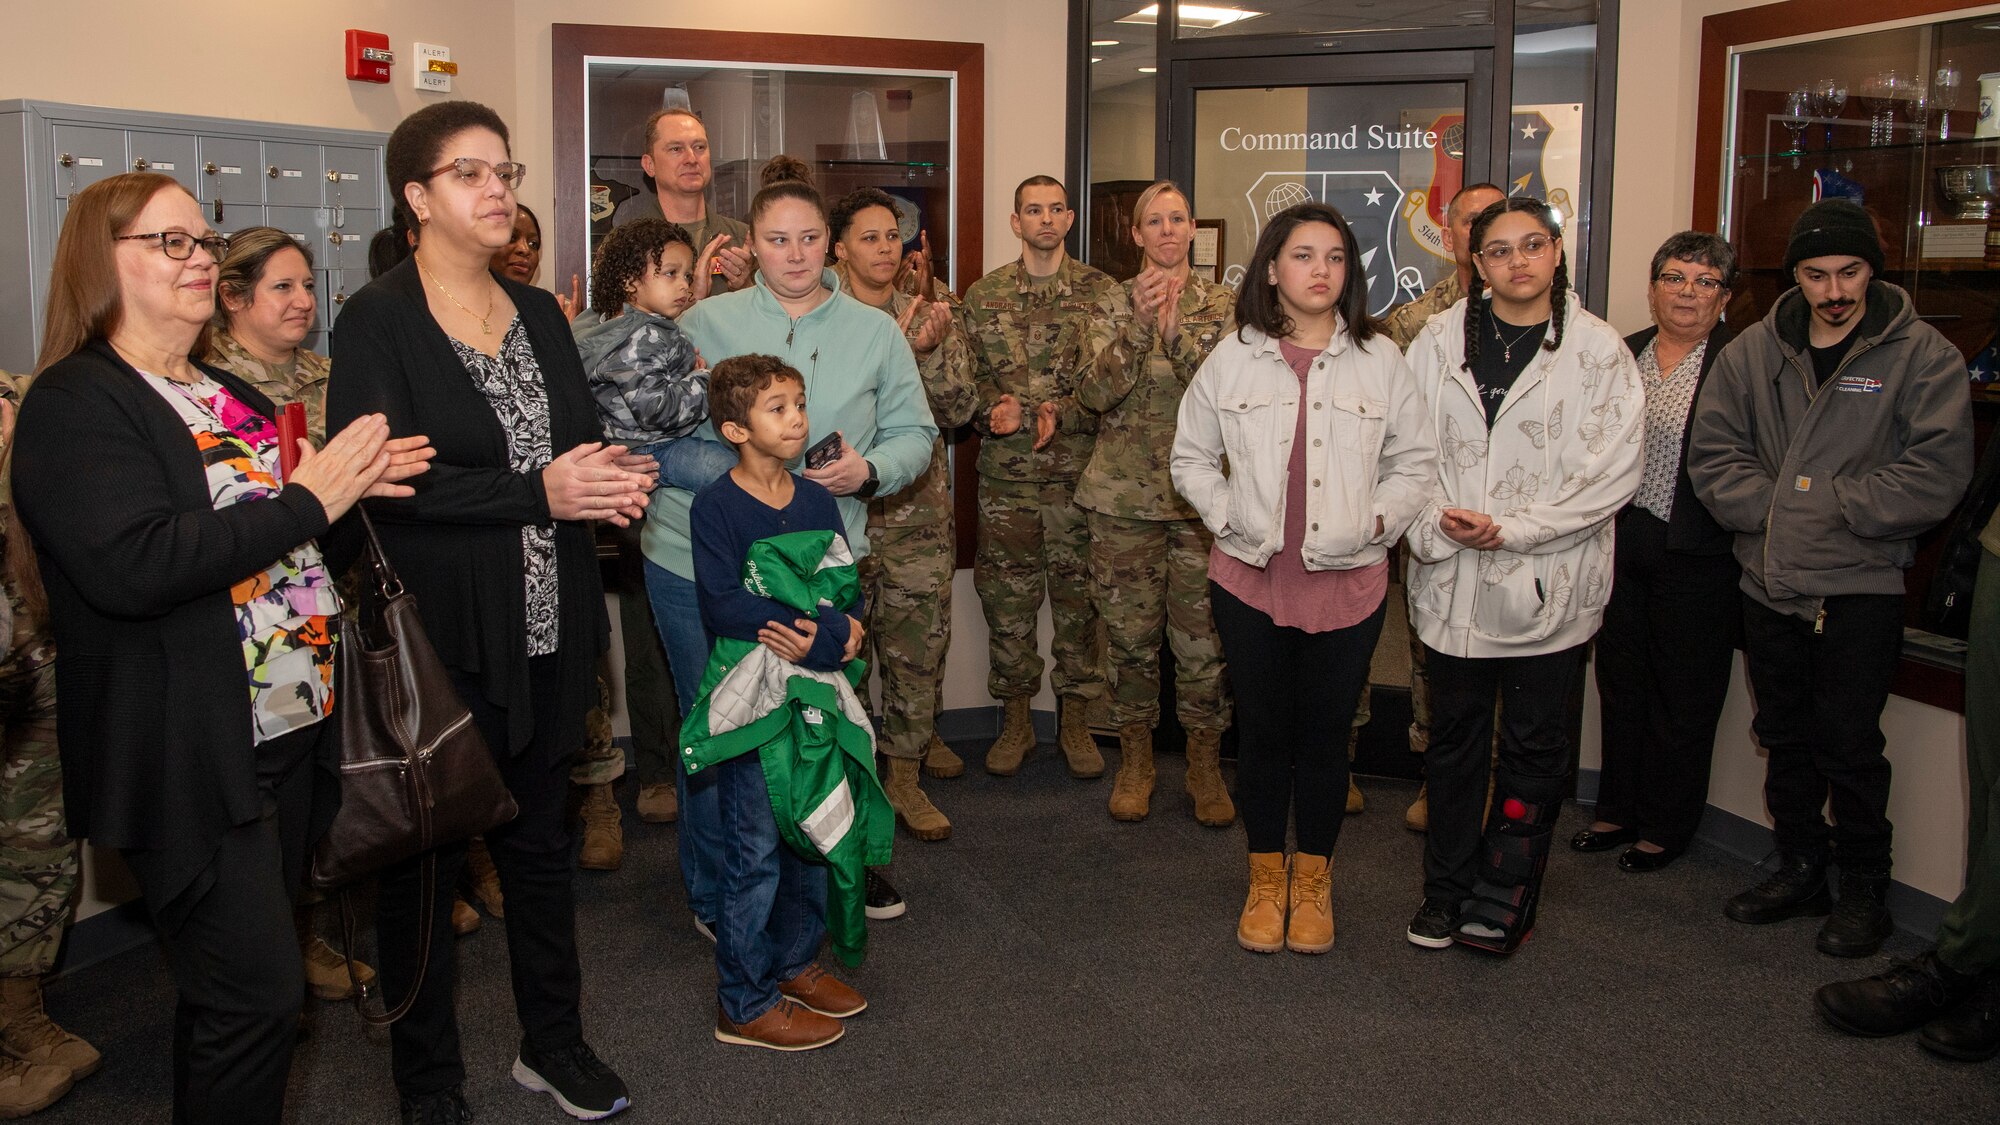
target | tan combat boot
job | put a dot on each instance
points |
(603, 830)
(27, 1088)
(939, 761)
(658, 803)
(464, 919)
(1132, 789)
(485, 879)
(1418, 818)
(27, 1033)
(1212, 805)
(326, 969)
(1017, 737)
(914, 811)
(1311, 927)
(1355, 801)
(1261, 929)
(1078, 747)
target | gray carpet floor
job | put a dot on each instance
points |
(1056, 966)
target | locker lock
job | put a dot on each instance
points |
(141, 164)
(340, 298)
(333, 175)
(209, 168)
(272, 171)
(66, 160)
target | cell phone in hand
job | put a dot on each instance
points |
(825, 453)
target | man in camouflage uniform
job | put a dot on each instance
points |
(1148, 547)
(907, 573)
(1402, 325)
(38, 861)
(1029, 322)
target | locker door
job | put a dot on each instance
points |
(170, 154)
(353, 177)
(228, 218)
(306, 224)
(291, 174)
(347, 246)
(85, 155)
(232, 170)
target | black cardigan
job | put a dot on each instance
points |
(151, 692)
(1692, 530)
(456, 544)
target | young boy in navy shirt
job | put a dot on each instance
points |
(771, 992)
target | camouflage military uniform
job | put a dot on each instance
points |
(908, 570)
(1148, 548)
(602, 760)
(1030, 341)
(38, 861)
(304, 381)
(1407, 319)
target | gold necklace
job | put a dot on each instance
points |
(485, 322)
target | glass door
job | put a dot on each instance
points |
(1382, 138)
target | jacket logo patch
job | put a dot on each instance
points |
(1859, 384)
(1802, 484)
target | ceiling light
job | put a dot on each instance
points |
(1104, 42)
(1192, 15)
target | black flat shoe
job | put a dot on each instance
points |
(1636, 860)
(1588, 841)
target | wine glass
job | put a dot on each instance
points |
(1880, 92)
(1829, 98)
(1797, 119)
(1943, 93)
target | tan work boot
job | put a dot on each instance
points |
(27, 1033)
(1017, 737)
(1212, 805)
(27, 1088)
(658, 803)
(603, 830)
(1132, 789)
(1355, 801)
(914, 811)
(1311, 927)
(464, 919)
(485, 878)
(1261, 929)
(1078, 747)
(939, 761)
(326, 969)
(1418, 817)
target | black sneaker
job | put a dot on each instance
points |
(1905, 996)
(881, 898)
(446, 1107)
(1435, 925)
(1797, 889)
(574, 1076)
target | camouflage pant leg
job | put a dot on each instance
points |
(1033, 540)
(1076, 646)
(907, 575)
(1151, 580)
(39, 872)
(1201, 700)
(602, 760)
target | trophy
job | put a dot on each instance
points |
(1972, 188)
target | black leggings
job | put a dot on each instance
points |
(1295, 698)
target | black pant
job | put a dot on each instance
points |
(1663, 660)
(233, 951)
(1819, 717)
(1534, 750)
(532, 855)
(1295, 698)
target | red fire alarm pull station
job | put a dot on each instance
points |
(368, 56)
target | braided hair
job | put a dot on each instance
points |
(1475, 310)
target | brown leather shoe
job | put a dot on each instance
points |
(1418, 817)
(824, 993)
(658, 803)
(788, 1026)
(326, 969)
(1310, 929)
(1261, 928)
(1355, 801)
(485, 878)
(464, 919)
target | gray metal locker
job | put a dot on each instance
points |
(84, 156)
(232, 170)
(291, 175)
(353, 177)
(169, 154)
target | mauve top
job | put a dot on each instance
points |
(1316, 601)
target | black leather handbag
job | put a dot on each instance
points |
(414, 772)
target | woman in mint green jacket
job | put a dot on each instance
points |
(861, 381)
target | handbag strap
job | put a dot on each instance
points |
(426, 918)
(386, 582)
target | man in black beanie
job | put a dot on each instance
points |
(1829, 436)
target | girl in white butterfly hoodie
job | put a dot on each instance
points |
(1510, 562)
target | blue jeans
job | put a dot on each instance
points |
(677, 612)
(689, 463)
(773, 903)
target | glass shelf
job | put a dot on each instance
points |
(1961, 143)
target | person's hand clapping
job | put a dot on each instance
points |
(1471, 529)
(408, 456)
(1149, 291)
(844, 475)
(1005, 418)
(644, 464)
(736, 265)
(573, 303)
(586, 483)
(704, 269)
(1045, 425)
(342, 473)
(1170, 308)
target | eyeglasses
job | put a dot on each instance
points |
(1531, 248)
(474, 172)
(179, 245)
(1675, 282)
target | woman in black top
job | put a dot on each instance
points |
(191, 604)
(496, 545)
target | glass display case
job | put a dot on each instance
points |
(1902, 121)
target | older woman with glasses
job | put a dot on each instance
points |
(497, 547)
(1670, 629)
